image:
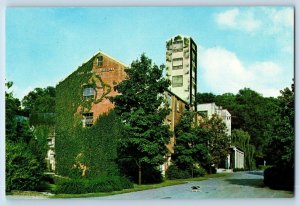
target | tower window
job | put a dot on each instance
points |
(100, 61)
(88, 92)
(177, 63)
(87, 120)
(177, 81)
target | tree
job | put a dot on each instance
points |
(280, 150)
(12, 106)
(241, 139)
(191, 144)
(256, 115)
(24, 170)
(40, 100)
(219, 141)
(140, 108)
(202, 98)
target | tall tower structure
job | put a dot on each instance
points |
(181, 66)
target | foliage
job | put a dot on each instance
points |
(202, 98)
(282, 178)
(140, 109)
(12, 107)
(191, 143)
(40, 100)
(252, 113)
(84, 151)
(241, 139)
(150, 173)
(24, 163)
(282, 145)
(219, 141)
(174, 172)
(97, 184)
(256, 115)
(23, 169)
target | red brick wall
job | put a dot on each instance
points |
(112, 73)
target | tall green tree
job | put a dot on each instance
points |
(24, 170)
(191, 143)
(281, 146)
(256, 115)
(40, 100)
(219, 141)
(202, 98)
(140, 109)
(241, 139)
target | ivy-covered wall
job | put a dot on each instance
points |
(89, 151)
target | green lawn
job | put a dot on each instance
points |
(135, 189)
(140, 187)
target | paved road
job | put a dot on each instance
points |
(236, 185)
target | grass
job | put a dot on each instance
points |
(136, 188)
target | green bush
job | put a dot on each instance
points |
(74, 186)
(174, 172)
(23, 170)
(199, 172)
(150, 174)
(99, 184)
(279, 178)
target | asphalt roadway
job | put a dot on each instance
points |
(236, 185)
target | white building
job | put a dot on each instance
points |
(209, 109)
(235, 158)
(181, 66)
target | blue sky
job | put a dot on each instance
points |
(237, 46)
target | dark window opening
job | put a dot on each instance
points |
(87, 120)
(100, 61)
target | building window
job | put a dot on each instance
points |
(177, 67)
(177, 63)
(177, 106)
(100, 61)
(87, 120)
(177, 81)
(177, 46)
(88, 92)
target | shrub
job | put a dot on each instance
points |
(279, 178)
(99, 184)
(150, 174)
(73, 186)
(23, 170)
(199, 172)
(174, 172)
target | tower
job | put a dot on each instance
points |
(181, 66)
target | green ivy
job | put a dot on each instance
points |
(90, 149)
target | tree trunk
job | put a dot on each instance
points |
(140, 174)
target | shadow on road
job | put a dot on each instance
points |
(258, 183)
(256, 173)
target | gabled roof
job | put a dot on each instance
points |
(101, 52)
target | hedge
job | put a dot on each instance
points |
(280, 178)
(99, 184)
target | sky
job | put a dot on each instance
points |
(238, 47)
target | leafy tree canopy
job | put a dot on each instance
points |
(139, 107)
(40, 100)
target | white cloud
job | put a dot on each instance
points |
(280, 18)
(271, 20)
(224, 72)
(238, 20)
